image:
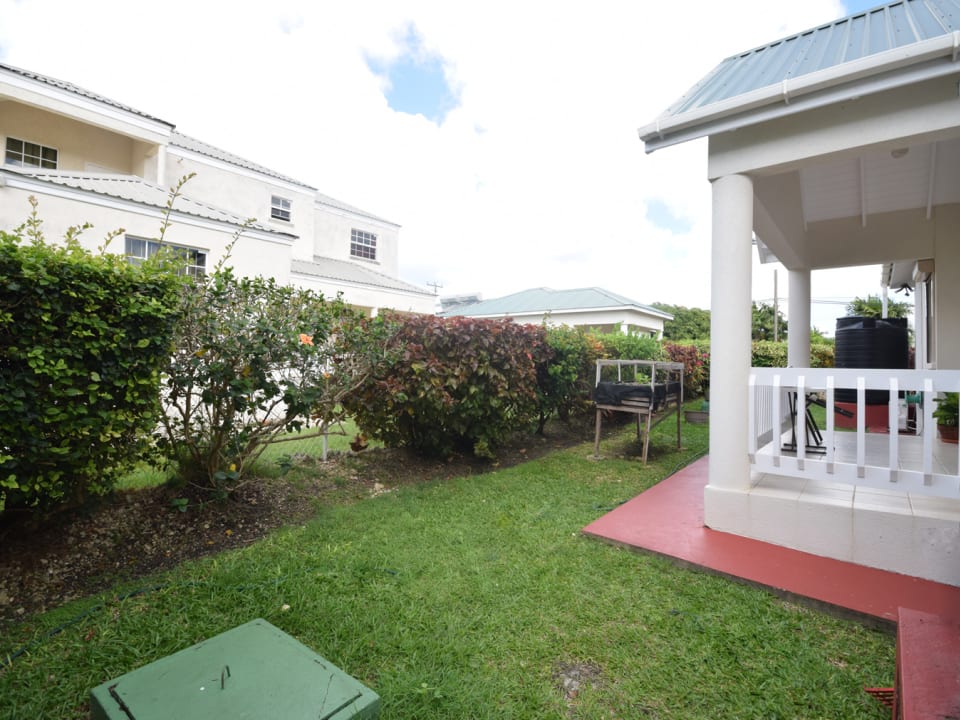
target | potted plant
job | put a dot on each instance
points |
(947, 414)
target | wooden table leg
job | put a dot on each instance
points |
(596, 438)
(646, 438)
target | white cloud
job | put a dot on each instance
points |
(538, 178)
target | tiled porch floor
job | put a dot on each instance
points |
(876, 451)
(667, 520)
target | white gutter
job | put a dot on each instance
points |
(15, 181)
(834, 84)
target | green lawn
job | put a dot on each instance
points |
(304, 442)
(470, 598)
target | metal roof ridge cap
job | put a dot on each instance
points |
(793, 87)
(76, 91)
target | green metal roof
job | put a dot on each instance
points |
(893, 44)
(851, 38)
(538, 301)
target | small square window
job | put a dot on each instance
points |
(279, 208)
(27, 154)
(363, 245)
(139, 249)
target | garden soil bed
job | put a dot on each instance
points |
(135, 533)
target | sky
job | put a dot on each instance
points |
(501, 136)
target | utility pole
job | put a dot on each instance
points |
(435, 285)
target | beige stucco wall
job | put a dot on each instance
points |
(79, 145)
(251, 256)
(246, 194)
(602, 320)
(332, 239)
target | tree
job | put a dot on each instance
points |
(818, 338)
(687, 323)
(872, 307)
(251, 360)
(763, 323)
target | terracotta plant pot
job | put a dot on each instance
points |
(948, 433)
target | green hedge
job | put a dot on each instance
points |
(82, 341)
(565, 378)
(695, 354)
(620, 346)
(449, 384)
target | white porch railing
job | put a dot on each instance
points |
(783, 442)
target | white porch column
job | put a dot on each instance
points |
(798, 319)
(730, 343)
(162, 166)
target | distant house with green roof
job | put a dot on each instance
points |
(591, 307)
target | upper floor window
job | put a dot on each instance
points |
(139, 249)
(363, 245)
(279, 208)
(27, 154)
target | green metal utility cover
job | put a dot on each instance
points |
(253, 671)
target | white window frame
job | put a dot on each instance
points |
(138, 249)
(363, 244)
(38, 157)
(280, 208)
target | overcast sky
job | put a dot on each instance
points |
(501, 135)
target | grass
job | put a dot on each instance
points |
(304, 442)
(470, 599)
(338, 440)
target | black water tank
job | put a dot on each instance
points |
(874, 343)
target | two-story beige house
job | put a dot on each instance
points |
(89, 159)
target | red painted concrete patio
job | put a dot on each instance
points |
(667, 520)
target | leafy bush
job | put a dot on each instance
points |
(767, 353)
(449, 384)
(566, 380)
(252, 360)
(82, 341)
(770, 354)
(822, 355)
(618, 346)
(696, 367)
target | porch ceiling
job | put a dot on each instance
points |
(850, 209)
(907, 177)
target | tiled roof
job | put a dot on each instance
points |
(543, 300)
(350, 272)
(334, 203)
(867, 33)
(77, 90)
(138, 190)
(186, 142)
